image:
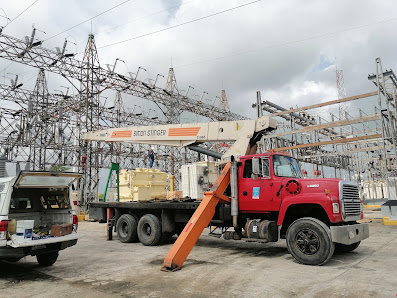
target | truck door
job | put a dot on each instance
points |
(255, 195)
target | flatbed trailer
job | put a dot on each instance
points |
(164, 218)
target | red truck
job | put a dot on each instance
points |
(315, 216)
(258, 197)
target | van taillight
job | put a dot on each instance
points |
(75, 222)
(3, 229)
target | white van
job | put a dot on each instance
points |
(32, 206)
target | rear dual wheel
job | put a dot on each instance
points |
(126, 228)
(149, 230)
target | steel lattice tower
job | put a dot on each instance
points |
(37, 134)
(224, 103)
(45, 130)
(340, 84)
(89, 92)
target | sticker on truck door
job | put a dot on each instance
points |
(255, 192)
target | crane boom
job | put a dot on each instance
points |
(244, 134)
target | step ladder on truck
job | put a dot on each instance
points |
(268, 197)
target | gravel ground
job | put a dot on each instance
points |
(215, 268)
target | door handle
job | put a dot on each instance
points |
(245, 193)
(279, 191)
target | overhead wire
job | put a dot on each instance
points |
(5, 17)
(88, 20)
(13, 21)
(179, 25)
(21, 13)
(290, 42)
(245, 52)
(7, 66)
(144, 17)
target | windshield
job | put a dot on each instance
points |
(285, 166)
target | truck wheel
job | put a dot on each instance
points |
(342, 248)
(126, 228)
(149, 230)
(47, 259)
(309, 241)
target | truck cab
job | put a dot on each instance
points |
(37, 216)
(310, 213)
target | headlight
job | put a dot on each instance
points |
(335, 207)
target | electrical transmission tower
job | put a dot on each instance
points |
(173, 109)
(43, 129)
(40, 134)
(340, 85)
(89, 94)
(224, 103)
(386, 83)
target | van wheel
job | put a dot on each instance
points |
(47, 259)
(342, 248)
(149, 230)
(126, 228)
(309, 241)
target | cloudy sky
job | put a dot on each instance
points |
(286, 49)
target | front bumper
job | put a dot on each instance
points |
(349, 234)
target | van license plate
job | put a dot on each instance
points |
(37, 247)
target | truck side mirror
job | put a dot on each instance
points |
(255, 168)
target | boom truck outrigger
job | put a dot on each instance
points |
(267, 199)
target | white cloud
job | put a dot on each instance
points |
(301, 94)
(247, 49)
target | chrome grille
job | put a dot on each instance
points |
(350, 201)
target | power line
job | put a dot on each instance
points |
(289, 42)
(88, 19)
(21, 13)
(144, 17)
(179, 25)
(7, 66)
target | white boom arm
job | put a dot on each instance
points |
(244, 134)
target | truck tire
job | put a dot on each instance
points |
(309, 241)
(126, 228)
(149, 230)
(47, 259)
(342, 248)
